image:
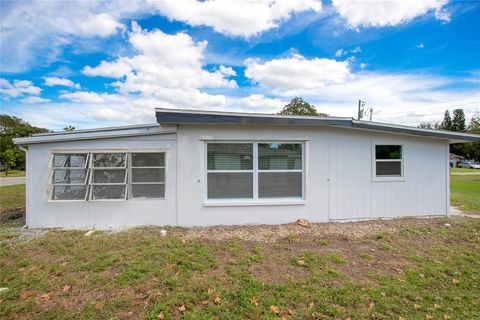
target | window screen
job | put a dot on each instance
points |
(388, 161)
(229, 170)
(280, 170)
(148, 175)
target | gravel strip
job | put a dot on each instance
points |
(272, 233)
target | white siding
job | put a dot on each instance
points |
(99, 214)
(339, 184)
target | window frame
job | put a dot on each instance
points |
(376, 178)
(92, 169)
(255, 200)
(130, 183)
(88, 167)
(52, 168)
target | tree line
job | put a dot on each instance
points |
(458, 123)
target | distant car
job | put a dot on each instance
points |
(470, 165)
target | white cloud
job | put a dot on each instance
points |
(35, 32)
(420, 46)
(356, 50)
(64, 82)
(237, 18)
(167, 67)
(363, 65)
(18, 88)
(34, 100)
(340, 53)
(101, 25)
(260, 103)
(296, 74)
(367, 13)
(91, 97)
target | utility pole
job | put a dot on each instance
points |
(371, 114)
(361, 108)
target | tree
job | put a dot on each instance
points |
(429, 125)
(447, 121)
(300, 107)
(458, 122)
(9, 159)
(69, 128)
(11, 127)
(472, 149)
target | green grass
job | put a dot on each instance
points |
(13, 173)
(465, 192)
(12, 197)
(464, 170)
(432, 270)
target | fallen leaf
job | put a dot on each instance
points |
(401, 318)
(45, 297)
(288, 312)
(182, 308)
(456, 281)
(161, 316)
(25, 295)
(311, 305)
(446, 317)
(301, 262)
(184, 241)
(421, 275)
(383, 294)
(217, 300)
(275, 309)
(437, 306)
(66, 288)
(283, 318)
(204, 302)
(371, 305)
(254, 301)
(428, 317)
(416, 306)
(209, 291)
(177, 273)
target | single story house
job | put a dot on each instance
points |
(455, 160)
(201, 168)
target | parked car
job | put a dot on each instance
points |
(470, 165)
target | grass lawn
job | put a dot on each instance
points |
(465, 192)
(415, 269)
(13, 173)
(12, 197)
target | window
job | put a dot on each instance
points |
(148, 175)
(230, 170)
(108, 176)
(69, 176)
(388, 161)
(254, 170)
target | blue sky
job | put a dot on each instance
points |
(91, 64)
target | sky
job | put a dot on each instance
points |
(106, 63)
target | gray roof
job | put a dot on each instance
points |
(180, 116)
(98, 133)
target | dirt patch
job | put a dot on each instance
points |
(13, 214)
(274, 233)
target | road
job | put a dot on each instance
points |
(8, 181)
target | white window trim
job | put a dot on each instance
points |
(376, 178)
(131, 183)
(52, 184)
(255, 201)
(88, 151)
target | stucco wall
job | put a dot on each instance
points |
(41, 212)
(338, 182)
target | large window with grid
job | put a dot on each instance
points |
(259, 170)
(108, 176)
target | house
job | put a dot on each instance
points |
(200, 168)
(455, 160)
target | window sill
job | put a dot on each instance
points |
(240, 203)
(388, 179)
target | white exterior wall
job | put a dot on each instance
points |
(338, 178)
(42, 212)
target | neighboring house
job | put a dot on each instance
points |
(455, 160)
(200, 168)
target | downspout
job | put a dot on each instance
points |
(21, 147)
